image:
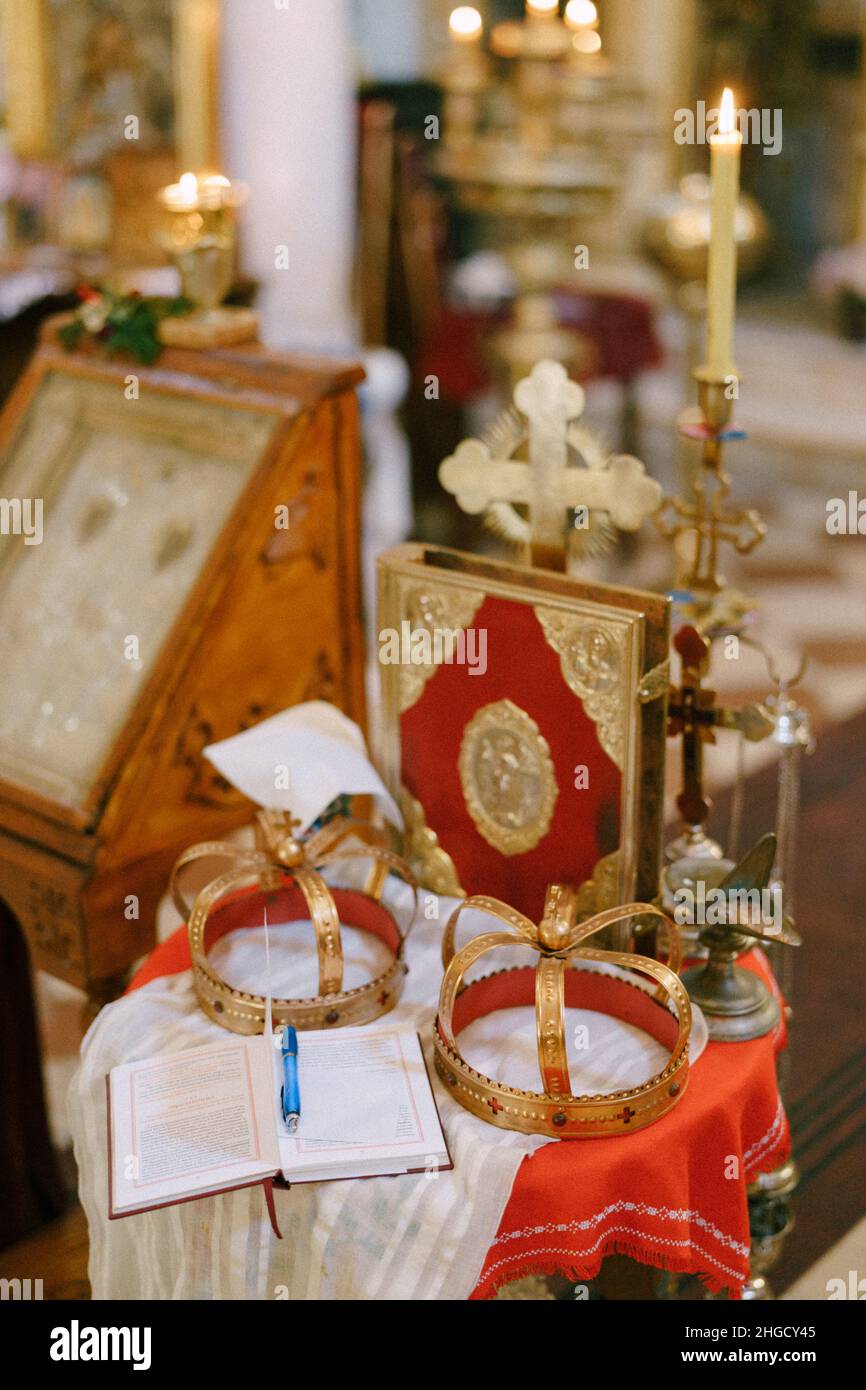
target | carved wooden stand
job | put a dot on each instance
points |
(271, 618)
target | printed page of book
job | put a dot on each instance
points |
(192, 1123)
(366, 1107)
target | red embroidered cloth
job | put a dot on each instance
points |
(672, 1195)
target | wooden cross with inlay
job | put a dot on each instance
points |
(693, 713)
(547, 484)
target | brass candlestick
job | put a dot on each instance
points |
(464, 79)
(201, 237)
(703, 520)
(533, 148)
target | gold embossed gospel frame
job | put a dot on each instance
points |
(548, 765)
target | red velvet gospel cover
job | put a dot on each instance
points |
(515, 738)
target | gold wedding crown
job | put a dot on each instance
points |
(555, 1111)
(282, 862)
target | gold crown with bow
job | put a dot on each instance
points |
(281, 860)
(555, 1111)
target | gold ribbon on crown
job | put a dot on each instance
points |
(556, 1111)
(280, 859)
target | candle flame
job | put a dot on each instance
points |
(465, 23)
(217, 192)
(188, 187)
(727, 113)
(581, 14)
(542, 8)
(182, 196)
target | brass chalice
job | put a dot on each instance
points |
(201, 238)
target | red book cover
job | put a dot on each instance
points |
(516, 737)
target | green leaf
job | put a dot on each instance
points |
(131, 325)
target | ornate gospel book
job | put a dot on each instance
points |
(523, 728)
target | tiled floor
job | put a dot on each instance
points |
(57, 1254)
(847, 1255)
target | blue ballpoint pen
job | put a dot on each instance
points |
(291, 1095)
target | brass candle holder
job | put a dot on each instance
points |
(464, 79)
(736, 1002)
(700, 524)
(533, 147)
(201, 238)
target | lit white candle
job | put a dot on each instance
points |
(463, 79)
(465, 25)
(211, 193)
(722, 269)
(581, 14)
(183, 195)
(215, 192)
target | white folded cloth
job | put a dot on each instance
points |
(300, 761)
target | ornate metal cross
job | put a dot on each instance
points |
(703, 520)
(693, 713)
(548, 485)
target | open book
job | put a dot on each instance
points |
(210, 1120)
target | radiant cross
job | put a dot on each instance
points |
(548, 485)
(693, 713)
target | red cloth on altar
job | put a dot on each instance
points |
(672, 1195)
(619, 326)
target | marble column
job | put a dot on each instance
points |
(288, 129)
(653, 43)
